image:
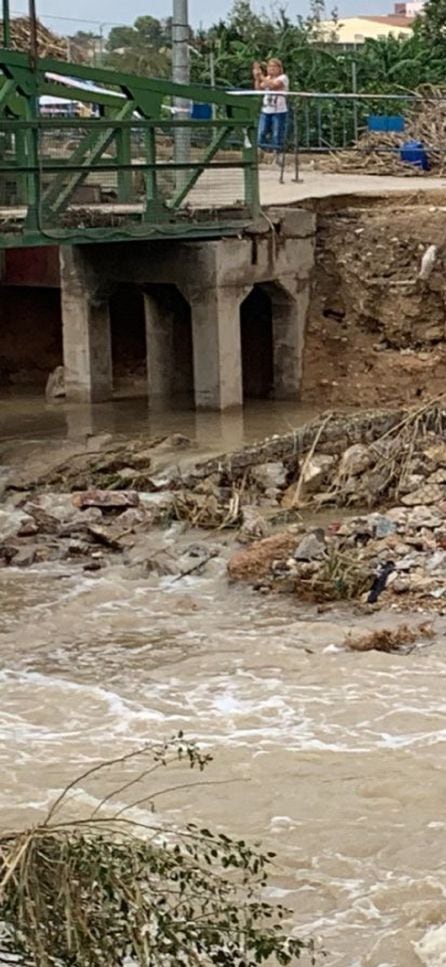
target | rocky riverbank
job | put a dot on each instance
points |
(349, 507)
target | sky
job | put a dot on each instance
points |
(64, 16)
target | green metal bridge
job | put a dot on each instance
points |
(131, 165)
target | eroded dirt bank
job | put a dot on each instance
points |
(377, 327)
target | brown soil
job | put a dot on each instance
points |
(255, 562)
(377, 333)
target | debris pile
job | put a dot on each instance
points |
(397, 558)
(48, 43)
(406, 464)
(401, 639)
(378, 153)
(79, 527)
(372, 154)
(388, 468)
(101, 465)
(369, 460)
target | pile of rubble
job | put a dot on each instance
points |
(388, 468)
(370, 460)
(79, 527)
(398, 551)
(88, 528)
(394, 558)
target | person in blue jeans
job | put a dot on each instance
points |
(274, 113)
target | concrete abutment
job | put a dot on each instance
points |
(193, 298)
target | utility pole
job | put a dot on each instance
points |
(212, 75)
(34, 43)
(6, 24)
(101, 44)
(180, 74)
(355, 103)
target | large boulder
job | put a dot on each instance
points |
(315, 472)
(355, 460)
(55, 387)
(269, 476)
(312, 546)
(437, 454)
(316, 469)
(58, 507)
(106, 500)
(11, 521)
(429, 493)
(254, 526)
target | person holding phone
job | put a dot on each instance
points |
(274, 113)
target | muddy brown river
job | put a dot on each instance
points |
(334, 759)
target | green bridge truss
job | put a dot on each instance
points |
(131, 164)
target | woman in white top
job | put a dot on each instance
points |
(274, 113)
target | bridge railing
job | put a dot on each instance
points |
(323, 123)
(319, 123)
(61, 177)
(135, 164)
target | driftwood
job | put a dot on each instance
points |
(377, 153)
(48, 44)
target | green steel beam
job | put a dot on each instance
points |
(20, 237)
(112, 120)
(93, 145)
(217, 143)
(6, 91)
(130, 84)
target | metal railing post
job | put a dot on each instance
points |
(296, 141)
(251, 170)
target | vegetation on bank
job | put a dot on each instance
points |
(313, 62)
(114, 888)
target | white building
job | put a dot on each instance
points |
(350, 32)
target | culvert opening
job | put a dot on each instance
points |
(128, 335)
(31, 335)
(256, 325)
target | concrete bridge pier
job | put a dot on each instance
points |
(216, 346)
(85, 329)
(207, 281)
(289, 305)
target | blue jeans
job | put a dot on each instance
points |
(272, 130)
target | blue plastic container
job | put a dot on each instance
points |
(201, 112)
(413, 152)
(385, 122)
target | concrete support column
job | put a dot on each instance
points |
(159, 342)
(289, 313)
(86, 331)
(216, 346)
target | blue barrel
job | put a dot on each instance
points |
(414, 153)
(385, 122)
(201, 112)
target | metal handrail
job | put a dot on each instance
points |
(316, 134)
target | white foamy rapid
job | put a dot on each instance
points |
(431, 949)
